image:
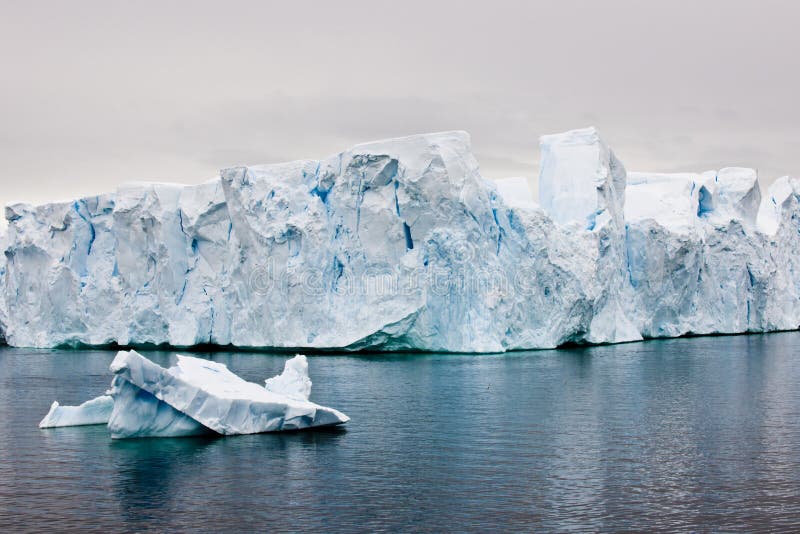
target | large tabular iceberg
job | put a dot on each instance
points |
(402, 244)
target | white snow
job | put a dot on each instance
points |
(91, 412)
(402, 244)
(671, 200)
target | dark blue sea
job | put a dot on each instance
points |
(696, 434)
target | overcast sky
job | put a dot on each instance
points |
(93, 94)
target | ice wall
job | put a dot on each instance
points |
(402, 244)
(3, 311)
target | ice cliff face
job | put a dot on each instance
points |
(699, 264)
(402, 244)
(582, 187)
(3, 311)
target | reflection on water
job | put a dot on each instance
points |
(682, 434)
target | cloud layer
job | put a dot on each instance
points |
(93, 94)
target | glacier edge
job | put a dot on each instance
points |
(402, 244)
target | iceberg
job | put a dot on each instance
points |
(196, 397)
(92, 412)
(402, 244)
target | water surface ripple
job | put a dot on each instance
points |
(687, 434)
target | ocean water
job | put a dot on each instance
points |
(690, 434)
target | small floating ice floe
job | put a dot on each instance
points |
(197, 396)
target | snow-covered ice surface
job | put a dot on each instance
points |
(671, 200)
(402, 244)
(198, 395)
(92, 412)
